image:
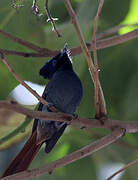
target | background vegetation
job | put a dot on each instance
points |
(118, 75)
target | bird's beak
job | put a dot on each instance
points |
(65, 49)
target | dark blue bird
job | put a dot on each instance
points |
(64, 92)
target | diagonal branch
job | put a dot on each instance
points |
(51, 19)
(23, 42)
(100, 44)
(122, 169)
(24, 84)
(115, 40)
(79, 154)
(114, 30)
(35, 8)
(45, 53)
(15, 5)
(108, 42)
(87, 54)
(129, 126)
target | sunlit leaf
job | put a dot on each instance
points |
(131, 18)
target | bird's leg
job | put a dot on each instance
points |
(51, 108)
(74, 116)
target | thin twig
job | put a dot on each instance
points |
(35, 114)
(96, 97)
(80, 36)
(129, 126)
(115, 40)
(121, 143)
(100, 44)
(114, 30)
(23, 83)
(14, 5)
(23, 42)
(34, 4)
(46, 53)
(86, 53)
(122, 169)
(79, 154)
(35, 8)
(28, 54)
(51, 19)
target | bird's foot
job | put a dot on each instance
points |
(51, 108)
(102, 119)
(74, 116)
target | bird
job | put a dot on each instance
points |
(64, 92)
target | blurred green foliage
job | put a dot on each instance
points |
(118, 75)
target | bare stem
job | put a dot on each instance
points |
(114, 30)
(79, 154)
(122, 169)
(51, 19)
(28, 54)
(86, 53)
(129, 126)
(100, 44)
(23, 83)
(97, 97)
(21, 41)
(115, 40)
(35, 8)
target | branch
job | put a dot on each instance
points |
(115, 40)
(29, 54)
(43, 101)
(51, 19)
(35, 114)
(24, 43)
(96, 87)
(35, 8)
(15, 5)
(121, 143)
(100, 44)
(122, 169)
(86, 53)
(114, 30)
(79, 154)
(129, 126)
(108, 42)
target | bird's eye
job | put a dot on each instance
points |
(54, 62)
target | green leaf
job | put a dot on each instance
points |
(131, 18)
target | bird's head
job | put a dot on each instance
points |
(61, 60)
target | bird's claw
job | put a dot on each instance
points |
(75, 116)
(49, 106)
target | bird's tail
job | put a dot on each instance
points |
(24, 157)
